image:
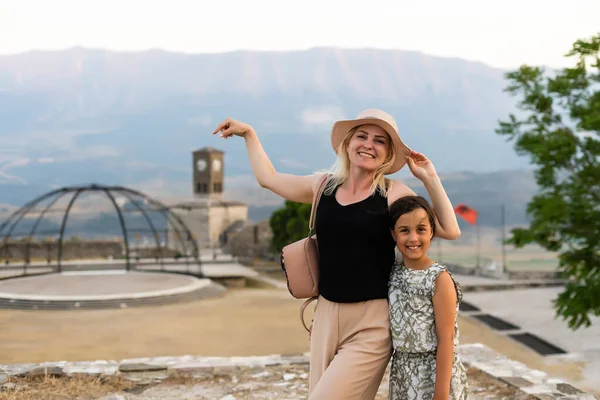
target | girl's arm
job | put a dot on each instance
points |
(290, 187)
(444, 307)
(446, 222)
(445, 218)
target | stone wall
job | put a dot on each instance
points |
(196, 220)
(207, 220)
(77, 250)
(71, 250)
(154, 252)
(222, 216)
(532, 274)
(254, 240)
(232, 377)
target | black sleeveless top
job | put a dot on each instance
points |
(356, 248)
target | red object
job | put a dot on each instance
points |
(467, 213)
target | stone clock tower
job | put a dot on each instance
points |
(208, 173)
(210, 218)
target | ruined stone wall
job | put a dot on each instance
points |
(196, 220)
(76, 250)
(254, 240)
(71, 250)
(207, 222)
(221, 217)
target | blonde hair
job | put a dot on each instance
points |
(339, 172)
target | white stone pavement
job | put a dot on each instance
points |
(223, 267)
(532, 311)
(97, 285)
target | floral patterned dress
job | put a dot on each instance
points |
(414, 336)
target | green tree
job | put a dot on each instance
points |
(559, 130)
(289, 224)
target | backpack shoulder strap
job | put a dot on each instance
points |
(315, 202)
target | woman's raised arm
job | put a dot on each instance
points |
(290, 187)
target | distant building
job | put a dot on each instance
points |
(211, 219)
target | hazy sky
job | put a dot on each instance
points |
(503, 33)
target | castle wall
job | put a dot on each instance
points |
(252, 241)
(221, 217)
(207, 221)
(71, 250)
(196, 219)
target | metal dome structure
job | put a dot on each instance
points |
(96, 225)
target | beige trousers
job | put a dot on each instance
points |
(350, 348)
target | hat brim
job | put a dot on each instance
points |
(341, 128)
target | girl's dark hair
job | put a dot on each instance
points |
(410, 203)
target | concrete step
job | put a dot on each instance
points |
(212, 290)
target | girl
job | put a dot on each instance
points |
(423, 300)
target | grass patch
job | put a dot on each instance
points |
(49, 387)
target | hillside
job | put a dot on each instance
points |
(94, 116)
(81, 115)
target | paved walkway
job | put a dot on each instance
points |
(531, 310)
(210, 268)
(97, 284)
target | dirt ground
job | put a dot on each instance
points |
(244, 322)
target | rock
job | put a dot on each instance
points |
(114, 397)
(289, 377)
(43, 371)
(93, 368)
(141, 367)
(192, 367)
(263, 374)
(567, 389)
(146, 378)
(8, 387)
(225, 369)
(17, 369)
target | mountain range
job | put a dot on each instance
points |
(89, 115)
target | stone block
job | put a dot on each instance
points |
(225, 369)
(8, 386)
(43, 371)
(141, 367)
(92, 368)
(515, 381)
(192, 368)
(16, 369)
(567, 389)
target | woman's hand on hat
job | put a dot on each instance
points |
(231, 127)
(420, 166)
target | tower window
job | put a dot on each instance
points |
(201, 187)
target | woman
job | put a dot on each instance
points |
(350, 340)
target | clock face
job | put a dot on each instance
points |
(216, 165)
(201, 165)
